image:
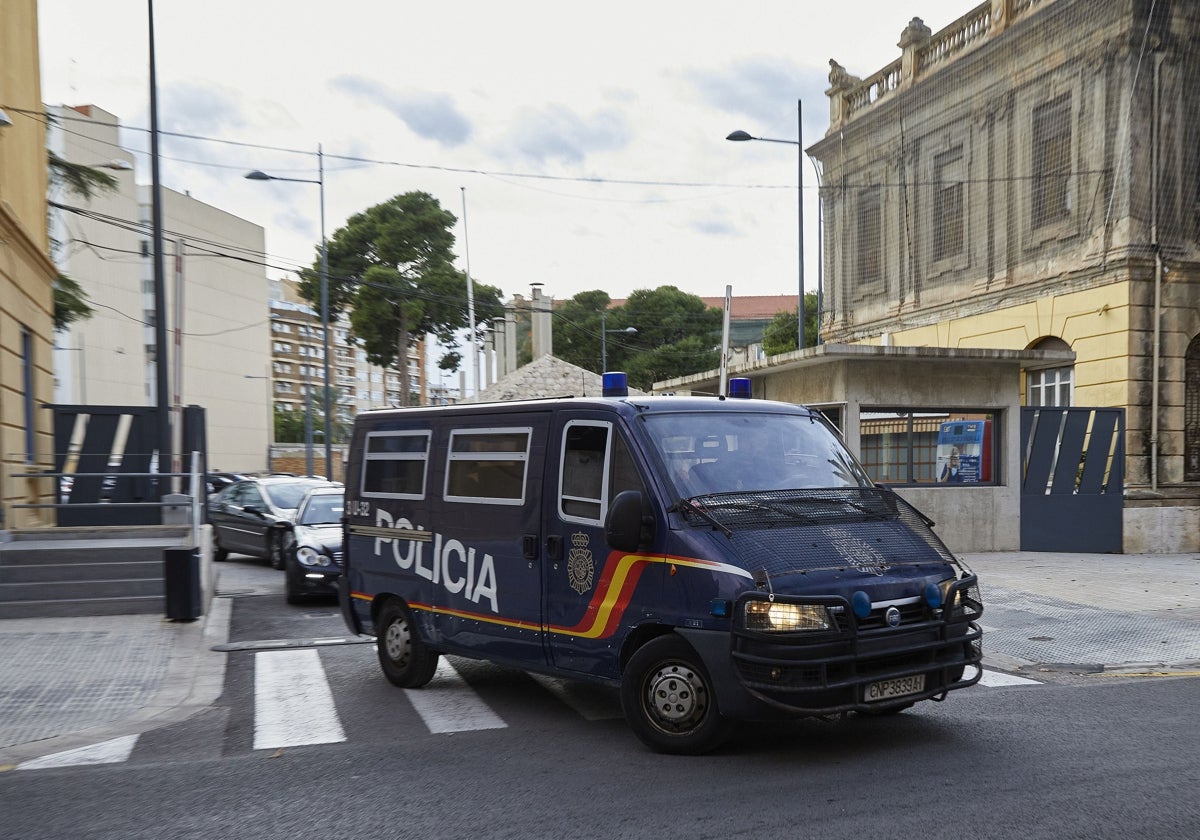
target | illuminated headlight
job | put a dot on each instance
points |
(770, 617)
(309, 556)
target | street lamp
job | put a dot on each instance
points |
(258, 175)
(741, 136)
(604, 340)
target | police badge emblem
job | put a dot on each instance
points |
(579, 563)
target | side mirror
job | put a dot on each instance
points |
(629, 523)
(255, 509)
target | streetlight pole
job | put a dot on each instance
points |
(162, 385)
(258, 175)
(604, 339)
(741, 136)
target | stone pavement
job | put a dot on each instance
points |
(71, 683)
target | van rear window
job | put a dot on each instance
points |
(487, 466)
(395, 465)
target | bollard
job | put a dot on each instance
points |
(181, 582)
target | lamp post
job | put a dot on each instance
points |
(604, 339)
(258, 175)
(741, 136)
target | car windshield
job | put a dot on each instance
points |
(710, 452)
(323, 509)
(287, 495)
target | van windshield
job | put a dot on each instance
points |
(711, 452)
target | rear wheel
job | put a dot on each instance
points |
(275, 550)
(405, 659)
(220, 555)
(668, 700)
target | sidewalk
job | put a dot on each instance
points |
(72, 683)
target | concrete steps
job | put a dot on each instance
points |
(87, 571)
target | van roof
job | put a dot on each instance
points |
(621, 405)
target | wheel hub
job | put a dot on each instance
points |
(676, 694)
(397, 642)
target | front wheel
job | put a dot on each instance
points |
(405, 659)
(668, 700)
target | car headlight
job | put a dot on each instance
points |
(772, 617)
(309, 556)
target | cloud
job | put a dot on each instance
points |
(753, 87)
(713, 226)
(557, 134)
(200, 109)
(427, 114)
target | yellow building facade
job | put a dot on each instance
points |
(26, 272)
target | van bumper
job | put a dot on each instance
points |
(763, 676)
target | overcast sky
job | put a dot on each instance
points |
(589, 137)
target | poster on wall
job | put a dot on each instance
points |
(964, 452)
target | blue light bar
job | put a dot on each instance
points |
(616, 384)
(740, 389)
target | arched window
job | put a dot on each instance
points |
(1191, 412)
(1050, 385)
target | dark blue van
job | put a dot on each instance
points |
(719, 559)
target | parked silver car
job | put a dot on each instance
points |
(254, 516)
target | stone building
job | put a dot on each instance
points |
(1027, 179)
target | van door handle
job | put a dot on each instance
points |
(554, 545)
(529, 547)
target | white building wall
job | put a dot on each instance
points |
(100, 360)
(108, 358)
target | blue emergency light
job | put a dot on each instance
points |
(615, 384)
(740, 389)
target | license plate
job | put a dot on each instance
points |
(887, 689)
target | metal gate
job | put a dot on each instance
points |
(111, 452)
(1072, 479)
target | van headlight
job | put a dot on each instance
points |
(309, 556)
(772, 617)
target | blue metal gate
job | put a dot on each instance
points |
(1072, 479)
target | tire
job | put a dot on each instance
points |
(220, 555)
(292, 590)
(668, 699)
(275, 551)
(403, 656)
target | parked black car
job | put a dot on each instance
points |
(254, 516)
(313, 556)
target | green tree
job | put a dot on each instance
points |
(676, 334)
(70, 301)
(780, 334)
(392, 267)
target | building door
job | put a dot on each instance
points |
(1072, 479)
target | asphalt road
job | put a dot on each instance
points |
(1097, 758)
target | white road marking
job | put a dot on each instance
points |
(995, 679)
(448, 704)
(293, 704)
(106, 752)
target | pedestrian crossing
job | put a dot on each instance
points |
(294, 706)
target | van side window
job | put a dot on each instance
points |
(487, 466)
(395, 465)
(584, 468)
(596, 465)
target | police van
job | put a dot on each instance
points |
(717, 558)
